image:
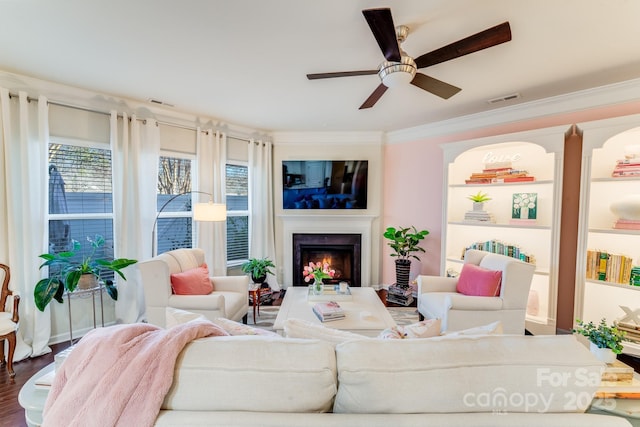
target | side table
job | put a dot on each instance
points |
(255, 293)
(85, 293)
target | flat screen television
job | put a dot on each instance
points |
(324, 184)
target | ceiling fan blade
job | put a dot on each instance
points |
(435, 86)
(381, 24)
(484, 39)
(341, 74)
(374, 97)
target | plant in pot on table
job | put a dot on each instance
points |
(69, 273)
(405, 242)
(258, 268)
(605, 341)
(316, 272)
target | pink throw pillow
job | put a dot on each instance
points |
(478, 281)
(192, 282)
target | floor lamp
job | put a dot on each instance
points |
(209, 212)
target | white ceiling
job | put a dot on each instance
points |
(244, 62)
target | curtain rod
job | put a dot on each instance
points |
(91, 110)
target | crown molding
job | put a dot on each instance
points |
(355, 137)
(597, 97)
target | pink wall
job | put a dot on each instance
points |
(413, 196)
(413, 179)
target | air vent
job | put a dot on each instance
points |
(156, 101)
(504, 98)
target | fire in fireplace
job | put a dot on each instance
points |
(341, 251)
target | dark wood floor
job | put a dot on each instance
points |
(11, 413)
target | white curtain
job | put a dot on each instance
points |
(135, 145)
(24, 137)
(261, 228)
(212, 159)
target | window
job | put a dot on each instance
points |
(237, 189)
(80, 196)
(174, 228)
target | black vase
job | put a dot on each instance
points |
(403, 266)
(260, 279)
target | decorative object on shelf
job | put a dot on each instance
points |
(404, 242)
(499, 172)
(316, 272)
(478, 214)
(69, 272)
(524, 208)
(608, 267)
(258, 268)
(634, 276)
(627, 210)
(630, 165)
(498, 247)
(606, 341)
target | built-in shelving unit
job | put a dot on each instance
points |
(538, 152)
(604, 143)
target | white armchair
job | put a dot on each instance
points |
(229, 298)
(438, 297)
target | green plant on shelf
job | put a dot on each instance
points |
(479, 197)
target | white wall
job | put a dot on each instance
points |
(331, 146)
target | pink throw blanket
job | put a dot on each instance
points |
(119, 375)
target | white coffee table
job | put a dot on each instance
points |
(365, 313)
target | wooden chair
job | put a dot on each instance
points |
(8, 320)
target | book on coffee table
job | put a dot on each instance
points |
(327, 311)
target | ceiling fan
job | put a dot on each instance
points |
(401, 68)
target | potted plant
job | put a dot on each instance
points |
(478, 200)
(405, 242)
(605, 341)
(258, 268)
(69, 272)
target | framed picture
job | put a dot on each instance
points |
(524, 206)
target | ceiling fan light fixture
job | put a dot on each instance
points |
(394, 74)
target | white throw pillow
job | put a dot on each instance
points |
(175, 316)
(298, 328)
(491, 328)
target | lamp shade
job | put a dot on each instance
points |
(209, 212)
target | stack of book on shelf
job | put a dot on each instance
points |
(401, 295)
(478, 216)
(627, 167)
(328, 311)
(608, 267)
(627, 224)
(632, 331)
(498, 247)
(499, 172)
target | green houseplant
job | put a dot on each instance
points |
(405, 243)
(601, 336)
(479, 197)
(258, 268)
(69, 272)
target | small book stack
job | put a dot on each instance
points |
(627, 224)
(328, 311)
(266, 296)
(479, 216)
(401, 295)
(499, 172)
(627, 167)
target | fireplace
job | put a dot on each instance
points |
(341, 251)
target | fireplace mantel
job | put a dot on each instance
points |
(297, 223)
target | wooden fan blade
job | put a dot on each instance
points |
(482, 40)
(373, 98)
(341, 74)
(435, 86)
(381, 24)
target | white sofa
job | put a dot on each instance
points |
(491, 380)
(229, 298)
